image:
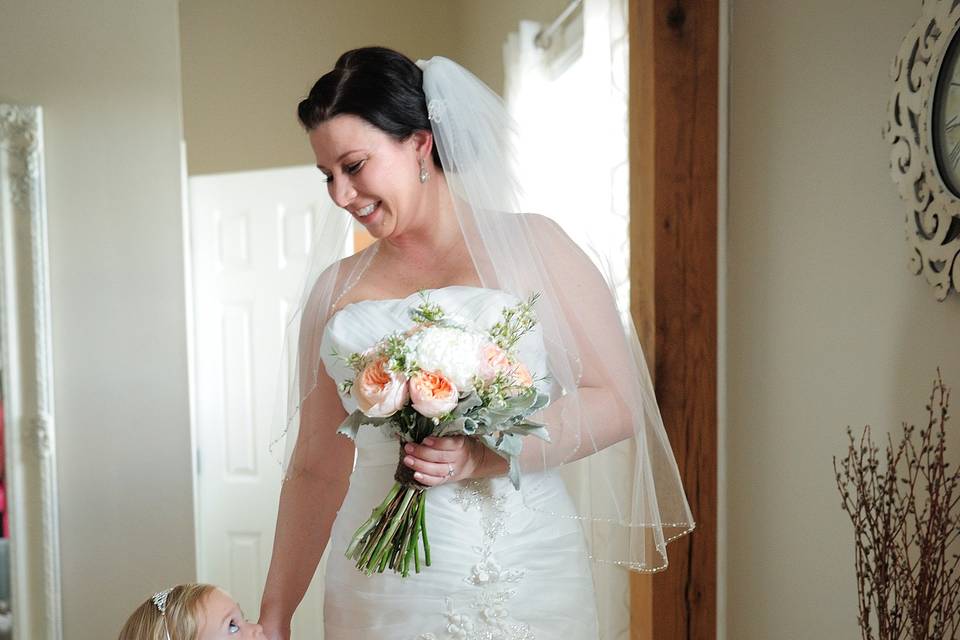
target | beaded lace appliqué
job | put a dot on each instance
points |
(487, 617)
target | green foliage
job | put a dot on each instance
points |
(516, 321)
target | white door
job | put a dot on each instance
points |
(250, 236)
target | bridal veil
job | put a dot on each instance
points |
(602, 401)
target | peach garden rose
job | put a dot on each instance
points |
(380, 392)
(432, 394)
(493, 360)
(521, 375)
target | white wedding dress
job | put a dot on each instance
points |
(500, 570)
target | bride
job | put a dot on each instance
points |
(419, 154)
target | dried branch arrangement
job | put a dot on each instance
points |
(906, 528)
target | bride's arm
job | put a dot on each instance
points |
(598, 415)
(609, 390)
(610, 398)
(313, 492)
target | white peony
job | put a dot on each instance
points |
(452, 352)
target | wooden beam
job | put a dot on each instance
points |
(673, 155)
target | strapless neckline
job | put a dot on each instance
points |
(452, 287)
(360, 325)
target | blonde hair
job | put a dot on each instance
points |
(181, 620)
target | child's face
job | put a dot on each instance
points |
(220, 618)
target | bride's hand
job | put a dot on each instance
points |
(450, 459)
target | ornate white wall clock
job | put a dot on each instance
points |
(923, 127)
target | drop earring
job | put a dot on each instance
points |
(424, 174)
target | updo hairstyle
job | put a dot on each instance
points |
(380, 85)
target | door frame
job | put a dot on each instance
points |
(674, 136)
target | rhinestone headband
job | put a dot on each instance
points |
(160, 602)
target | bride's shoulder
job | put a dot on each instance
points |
(328, 286)
(542, 222)
(540, 230)
(535, 222)
(546, 231)
(337, 273)
(556, 246)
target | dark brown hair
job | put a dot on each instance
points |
(380, 85)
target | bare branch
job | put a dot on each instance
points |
(906, 520)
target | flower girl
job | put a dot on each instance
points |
(189, 612)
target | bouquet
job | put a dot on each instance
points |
(439, 378)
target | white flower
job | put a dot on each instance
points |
(452, 352)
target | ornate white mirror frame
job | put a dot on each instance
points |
(27, 379)
(932, 219)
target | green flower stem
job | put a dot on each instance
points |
(423, 528)
(412, 535)
(403, 535)
(366, 558)
(416, 548)
(394, 551)
(418, 533)
(391, 536)
(392, 529)
(400, 540)
(413, 541)
(366, 527)
(403, 541)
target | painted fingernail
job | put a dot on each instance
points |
(408, 448)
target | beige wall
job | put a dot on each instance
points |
(247, 64)
(826, 327)
(107, 75)
(484, 26)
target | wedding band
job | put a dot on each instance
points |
(449, 470)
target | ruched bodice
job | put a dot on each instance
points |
(359, 325)
(501, 569)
